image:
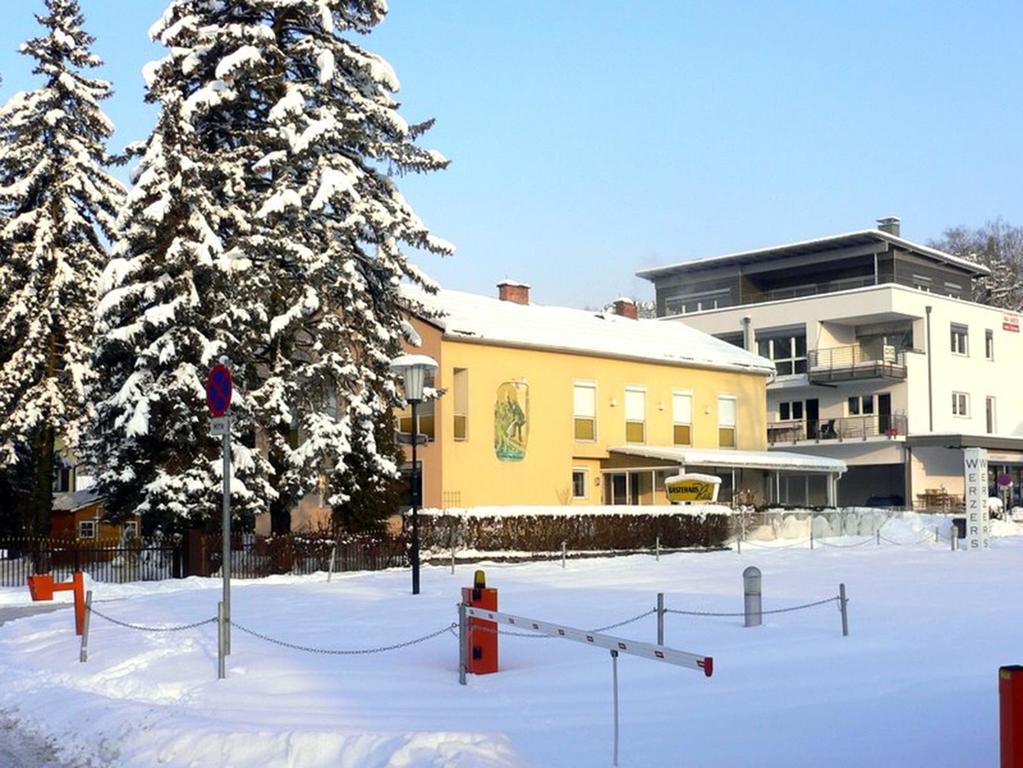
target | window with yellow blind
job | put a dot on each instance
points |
(682, 417)
(726, 421)
(635, 415)
(584, 405)
(461, 403)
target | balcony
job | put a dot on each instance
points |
(850, 428)
(855, 363)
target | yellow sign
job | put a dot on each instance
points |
(692, 487)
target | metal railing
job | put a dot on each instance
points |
(855, 362)
(839, 429)
(112, 561)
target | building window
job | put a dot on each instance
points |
(584, 397)
(682, 417)
(960, 340)
(736, 339)
(960, 404)
(922, 283)
(989, 344)
(579, 485)
(790, 411)
(787, 350)
(861, 406)
(461, 403)
(87, 529)
(63, 477)
(726, 421)
(696, 302)
(635, 415)
(131, 530)
(424, 413)
(990, 409)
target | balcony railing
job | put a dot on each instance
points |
(855, 362)
(813, 289)
(841, 429)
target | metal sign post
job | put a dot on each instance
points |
(219, 389)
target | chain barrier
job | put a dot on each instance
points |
(534, 635)
(345, 652)
(802, 543)
(925, 539)
(870, 540)
(764, 613)
(142, 628)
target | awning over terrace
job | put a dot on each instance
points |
(781, 461)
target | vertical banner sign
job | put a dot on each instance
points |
(978, 525)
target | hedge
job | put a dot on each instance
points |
(582, 532)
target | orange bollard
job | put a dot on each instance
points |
(482, 633)
(1010, 705)
(42, 587)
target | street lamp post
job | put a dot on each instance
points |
(412, 369)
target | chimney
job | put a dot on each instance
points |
(509, 290)
(890, 224)
(625, 307)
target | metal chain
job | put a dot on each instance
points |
(141, 628)
(847, 546)
(508, 633)
(765, 613)
(925, 539)
(768, 546)
(345, 652)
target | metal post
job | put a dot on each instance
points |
(842, 604)
(751, 587)
(953, 536)
(564, 553)
(452, 559)
(660, 618)
(879, 537)
(614, 699)
(221, 660)
(416, 480)
(811, 533)
(937, 536)
(83, 654)
(463, 643)
(657, 550)
(330, 568)
(226, 530)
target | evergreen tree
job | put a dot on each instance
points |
(371, 496)
(268, 179)
(57, 202)
(999, 247)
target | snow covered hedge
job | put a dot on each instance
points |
(542, 529)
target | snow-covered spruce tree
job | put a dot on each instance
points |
(290, 135)
(57, 202)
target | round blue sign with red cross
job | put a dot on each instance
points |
(218, 390)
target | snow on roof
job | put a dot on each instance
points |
(472, 317)
(513, 283)
(704, 457)
(69, 502)
(820, 243)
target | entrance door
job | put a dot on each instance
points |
(813, 415)
(636, 486)
(618, 495)
(884, 413)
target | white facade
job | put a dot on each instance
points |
(954, 371)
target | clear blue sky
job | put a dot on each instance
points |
(592, 138)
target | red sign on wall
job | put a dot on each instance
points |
(1010, 323)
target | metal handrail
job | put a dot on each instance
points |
(838, 429)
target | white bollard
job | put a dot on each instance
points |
(83, 654)
(843, 604)
(751, 588)
(564, 553)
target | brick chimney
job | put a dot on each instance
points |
(890, 224)
(626, 307)
(509, 290)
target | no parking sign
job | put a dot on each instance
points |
(218, 390)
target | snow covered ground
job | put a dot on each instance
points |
(914, 684)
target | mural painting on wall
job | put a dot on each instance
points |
(511, 421)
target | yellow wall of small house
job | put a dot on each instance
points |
(468, 473)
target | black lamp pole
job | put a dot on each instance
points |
(415, 501)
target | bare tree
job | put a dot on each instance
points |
(998, 246)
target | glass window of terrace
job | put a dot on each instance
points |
(786, 347)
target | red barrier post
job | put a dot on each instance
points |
(482, 651)
(1010, 705)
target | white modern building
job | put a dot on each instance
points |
(884, 359)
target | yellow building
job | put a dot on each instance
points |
(547, 405)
